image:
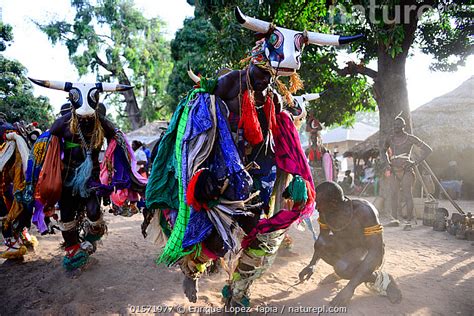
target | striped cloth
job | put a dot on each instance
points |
(173, 250)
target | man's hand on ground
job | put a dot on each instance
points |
(306, 273)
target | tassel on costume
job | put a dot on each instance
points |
(295, 83)
(297, 190)
(81, 177)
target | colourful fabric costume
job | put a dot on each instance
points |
(74, 146)
(217, 210)
(16, 217)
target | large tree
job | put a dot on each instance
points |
(213, 40)
(392, 28)
(440, 28)
(17, 101)
(113, 39)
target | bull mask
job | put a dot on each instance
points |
(283, 47)
(84, 97)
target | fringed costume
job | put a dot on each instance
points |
(70, 173)
(15, 216)
(199, 188)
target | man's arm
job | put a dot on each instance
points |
(57, 129)
(385, 157)
(307, 272)
(425, 149)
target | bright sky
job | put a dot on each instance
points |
(43, 61)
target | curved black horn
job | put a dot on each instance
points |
(348, 39)
(253, 24)
(239, 16)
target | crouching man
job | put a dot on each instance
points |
(351, 241)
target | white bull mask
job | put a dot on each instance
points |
(300, 103)
(283, 47)
(84, 97)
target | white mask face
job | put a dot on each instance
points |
(84, 97)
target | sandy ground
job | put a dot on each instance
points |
(435, 272)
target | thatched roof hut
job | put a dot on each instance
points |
(446, 124)
(149, 133)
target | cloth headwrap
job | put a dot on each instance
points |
(22, 148)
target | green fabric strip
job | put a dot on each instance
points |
(162, 187)
(173, 250)
(69, 145)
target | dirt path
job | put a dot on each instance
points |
(435, 272)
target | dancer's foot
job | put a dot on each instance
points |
(407, 226)
(74, 274)
(15, 249)
(29, 241)
(393, 292)
(190, 287)
(393, 223)
(75, 258)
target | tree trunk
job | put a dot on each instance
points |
(132, 109)
(391, 93)
(390, 85)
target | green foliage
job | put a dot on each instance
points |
(6, 36)
(113, 39)
(446, 33)
(213, 40)
(210, 41)
(16, 92)
(26, 107)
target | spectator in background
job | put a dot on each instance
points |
(346, 183)
(147, 152)
(140, 157)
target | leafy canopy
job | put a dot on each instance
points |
(113, 39)
(16, 92)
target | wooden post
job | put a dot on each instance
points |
(456, 206)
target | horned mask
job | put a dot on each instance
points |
(283, 47)
(84, 97)
(300, 103)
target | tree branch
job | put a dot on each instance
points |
(103, 64)
(352, 69)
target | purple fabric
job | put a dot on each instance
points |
(121, 178)
(199, 122)
(133, 163)
(38, 217)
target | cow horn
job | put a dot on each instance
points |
(251, 23)
(327, 39)
(192, 75)
(311, 96)
(57, 85)
(111, 87)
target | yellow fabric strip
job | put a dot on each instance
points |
(322, 225)
(373, 230)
